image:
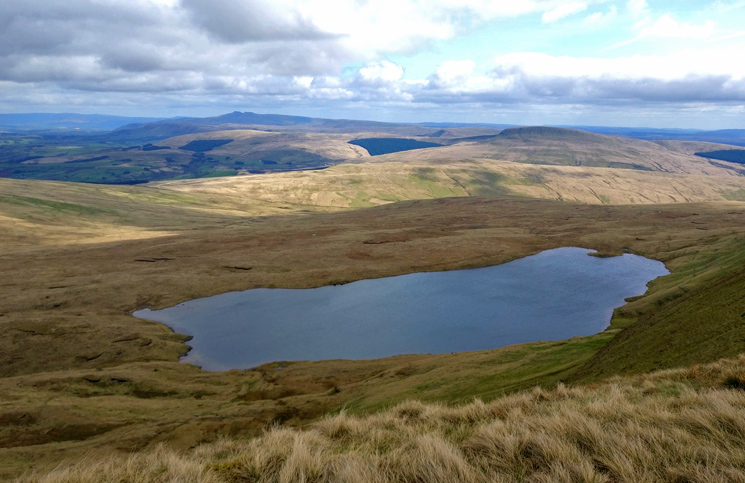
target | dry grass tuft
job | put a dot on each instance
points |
(674, 426)
(159, 465)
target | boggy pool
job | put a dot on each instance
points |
(554, 295)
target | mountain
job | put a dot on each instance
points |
(67, 122)
(724, 136)
(148, 132)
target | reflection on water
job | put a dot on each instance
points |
(554, 295)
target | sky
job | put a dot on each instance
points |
(675, 64)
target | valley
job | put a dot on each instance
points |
(81, 376)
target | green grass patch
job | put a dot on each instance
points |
(435, 188)
(694, 315)
(734, 195)
(55, 207)
(426, 174)
(487, 183)
(221, 172)
(485, 375)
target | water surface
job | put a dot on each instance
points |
(554, 295)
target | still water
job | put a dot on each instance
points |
(554, 295)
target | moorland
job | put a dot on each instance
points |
(82, 378)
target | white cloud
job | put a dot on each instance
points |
(381, 72)
(638, 8)
(684, 78)
(166, 3)
(292, 52)
(599, 18)
(667, 27)
(679, 65)
(452, 72)
(563, 11)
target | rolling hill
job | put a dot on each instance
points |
(258, 143)
(569, 147)
(91, 254)
(80, 377)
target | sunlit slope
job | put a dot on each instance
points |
(80, 375)
(248, 145)
(570, 147)
(241, 150)
(38, 213)
(369, 184)
(692, 147)
(531, 145)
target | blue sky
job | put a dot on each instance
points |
(603, 30)
(593, 62)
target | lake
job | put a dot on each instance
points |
(554, 295)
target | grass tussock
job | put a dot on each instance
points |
(676, 426)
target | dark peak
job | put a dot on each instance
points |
(544, 132)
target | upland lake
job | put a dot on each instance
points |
(553, 295)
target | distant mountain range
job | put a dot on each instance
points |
(722, 136)
(121, 129)
(67, 122)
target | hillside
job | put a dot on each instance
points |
(375, 183)
(569, 147)
(275, 122)
(236, 149)
(109, 383)
(290, 150)
(679, 425)
(105, 160)
(80, 376)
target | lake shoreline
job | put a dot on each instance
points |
(326, 333)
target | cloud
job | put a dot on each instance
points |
(170, 53)
(638, 8)
(563, 11)
(79, 43)
(682, 79)
(237, 21)
(692, 76)
(599, 18)
(668, 27)
(452, 72)
(380, 73)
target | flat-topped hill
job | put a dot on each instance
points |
(542, 133)
(572, 147)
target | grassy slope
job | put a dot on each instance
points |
(291, 148)
(568, 147)
(120, 386)
(375, 183)
(681, 425)
(699, 318)
(250, 144)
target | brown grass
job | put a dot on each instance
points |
(247, 144)
(80, 375)
(676, 425)
(376, 183)
(574, 148)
